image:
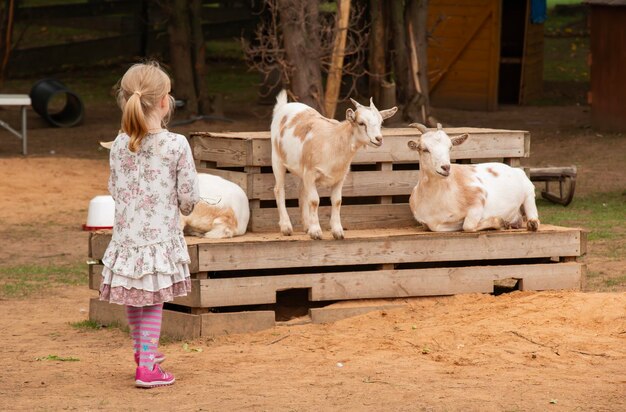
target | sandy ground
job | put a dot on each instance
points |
(516, 352)
(522, 351)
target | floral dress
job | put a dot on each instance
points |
(146, 262)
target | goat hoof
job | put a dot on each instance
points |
(533, 225)
(286, 231)
(315, 234)
(338, 235)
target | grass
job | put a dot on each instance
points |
(603, 214)
(86, 325)
(24, 280)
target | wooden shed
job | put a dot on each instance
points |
(608, 64)
(483, 53)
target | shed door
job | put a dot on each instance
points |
(463, 53)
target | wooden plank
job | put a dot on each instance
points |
(567, 275)
(216, 324)
(229, 151)
(353, 217)
(180, 325)
(98, 243)
(333, 313)
(385, 246)
(357, 184)
(391, 283)
(107, 313)
(193, 298)
(95, 276)
(483, 143)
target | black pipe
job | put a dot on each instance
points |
(42, 93)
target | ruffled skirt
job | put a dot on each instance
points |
(145, 275)
(149, 290)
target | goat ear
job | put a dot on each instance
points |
(457, 140)
(413, 145)
(350, 116)
(355, 103)
(419, 127)
(386, 114)
(107, 145)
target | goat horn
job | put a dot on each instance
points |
(419, 127)
(372, 103)
(355, 103)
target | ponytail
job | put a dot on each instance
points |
(134, 121)
(139, 93)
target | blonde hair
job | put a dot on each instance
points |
(139, 93)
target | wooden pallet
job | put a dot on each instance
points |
(375, 193)
(236, 282)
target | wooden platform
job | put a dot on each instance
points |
(237, 283)
(376, 191)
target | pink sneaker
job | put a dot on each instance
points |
(158, 358)
(146, 378)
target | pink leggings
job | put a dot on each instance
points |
(145, 325)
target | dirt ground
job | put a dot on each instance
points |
(523, 351)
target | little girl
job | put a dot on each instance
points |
(153, 176)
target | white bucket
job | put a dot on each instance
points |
(101, 213)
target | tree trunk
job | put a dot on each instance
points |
(199, 58)
(400, 60)
(377, 49)
(299, 20)
(418, 105)
(6, 33)
(333, 82)
(181, 54)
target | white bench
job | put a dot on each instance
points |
(22, 100)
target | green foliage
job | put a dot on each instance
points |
(23, 280)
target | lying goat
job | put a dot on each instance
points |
(223, 210)
(450, 197)
(319, 151)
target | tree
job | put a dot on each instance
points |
(405, 22)
(187, 53)
(7, 12)
(299, 42)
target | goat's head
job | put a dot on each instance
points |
(434, 147)
(368, 121)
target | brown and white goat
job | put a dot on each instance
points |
(319, 151)
(222, 212)
(451, 197)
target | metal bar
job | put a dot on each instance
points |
(24, 144)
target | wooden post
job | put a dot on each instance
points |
(333, 82)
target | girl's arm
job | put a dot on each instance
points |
(187, 181)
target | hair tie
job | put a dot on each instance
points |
(137, 92)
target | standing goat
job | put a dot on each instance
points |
(319, 151)
(222, 212)
(451, 197)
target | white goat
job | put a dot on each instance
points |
(319, 151)
(451, 197)
(223, 210)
